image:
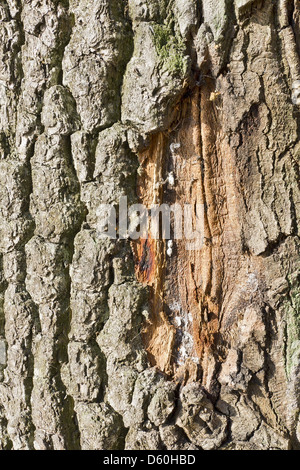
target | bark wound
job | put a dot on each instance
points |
(185, 285)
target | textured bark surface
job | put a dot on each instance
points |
(112, 344)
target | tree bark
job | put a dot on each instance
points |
(122, 344)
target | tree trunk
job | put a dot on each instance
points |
(143, 344)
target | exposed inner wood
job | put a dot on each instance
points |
(185, 285)
(159, 334)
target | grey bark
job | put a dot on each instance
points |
(84, 87)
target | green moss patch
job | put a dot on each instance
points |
(170, 48)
